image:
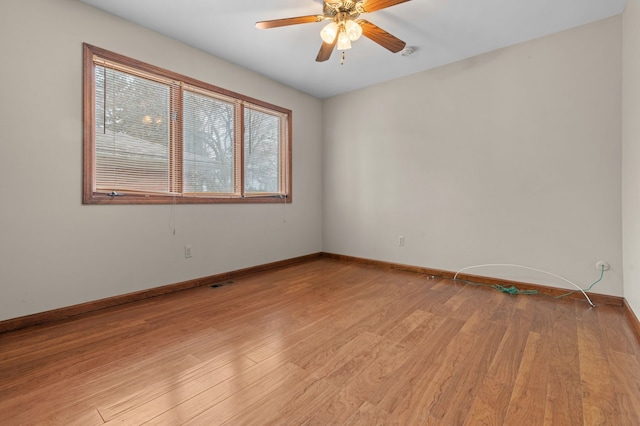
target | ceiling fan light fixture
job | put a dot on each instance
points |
(345, 27)
(354, 30)
(329, 32)
(344, 42)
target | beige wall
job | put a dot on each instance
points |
(56, 252)
(508, 157)
(512, 156)
(631, 153)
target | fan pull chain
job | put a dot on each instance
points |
(342, 60)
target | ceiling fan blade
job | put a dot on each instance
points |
(373, 5)
(380, 36)
(263, 25)
(325, 50)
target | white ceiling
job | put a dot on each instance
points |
(441, 32)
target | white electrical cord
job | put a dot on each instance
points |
(532, 269)
(172, 217)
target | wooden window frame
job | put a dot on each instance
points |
(91, 196)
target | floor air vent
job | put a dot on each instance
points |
(222, 284)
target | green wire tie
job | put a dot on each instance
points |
(513, 290)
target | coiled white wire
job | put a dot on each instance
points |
(530, 268)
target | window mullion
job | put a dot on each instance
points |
(239, 167)
(177, 139)
(283, 157)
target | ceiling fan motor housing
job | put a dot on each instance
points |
(342, 17)
(352, 8)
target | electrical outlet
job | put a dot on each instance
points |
(187, 251)
(401, 240)
(601, 265)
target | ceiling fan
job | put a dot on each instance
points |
(344, 26)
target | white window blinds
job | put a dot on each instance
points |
(209, 132)
(132, 133)
(262, 151)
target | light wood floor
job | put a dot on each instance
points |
(327, 342)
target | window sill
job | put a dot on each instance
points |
(127, 198)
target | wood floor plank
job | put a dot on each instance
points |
(544, 315)
(85, 397)
(336, 410)
(401, 329)
(564, 400)
(82, 375)
(345, 374)
(227, 399)
(81, 416)
(410, 388)
(389, 359)
(327, 342)
(460, 388)
(193, 397)
(595, 373)
(439, 384)
(367, 414)
(330, 332)
(528, 400)
(409, 357)
(492, 400)
(306, 403)
(617, 338)
(626, 373)
(328, 361)
(432, 383)
(323, 330)
(139, 396)
(505, 310)
(271, 410)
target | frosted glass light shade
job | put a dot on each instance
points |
(354, 30)
(329, 32)
(343, 41)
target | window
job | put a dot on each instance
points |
(154, 136)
